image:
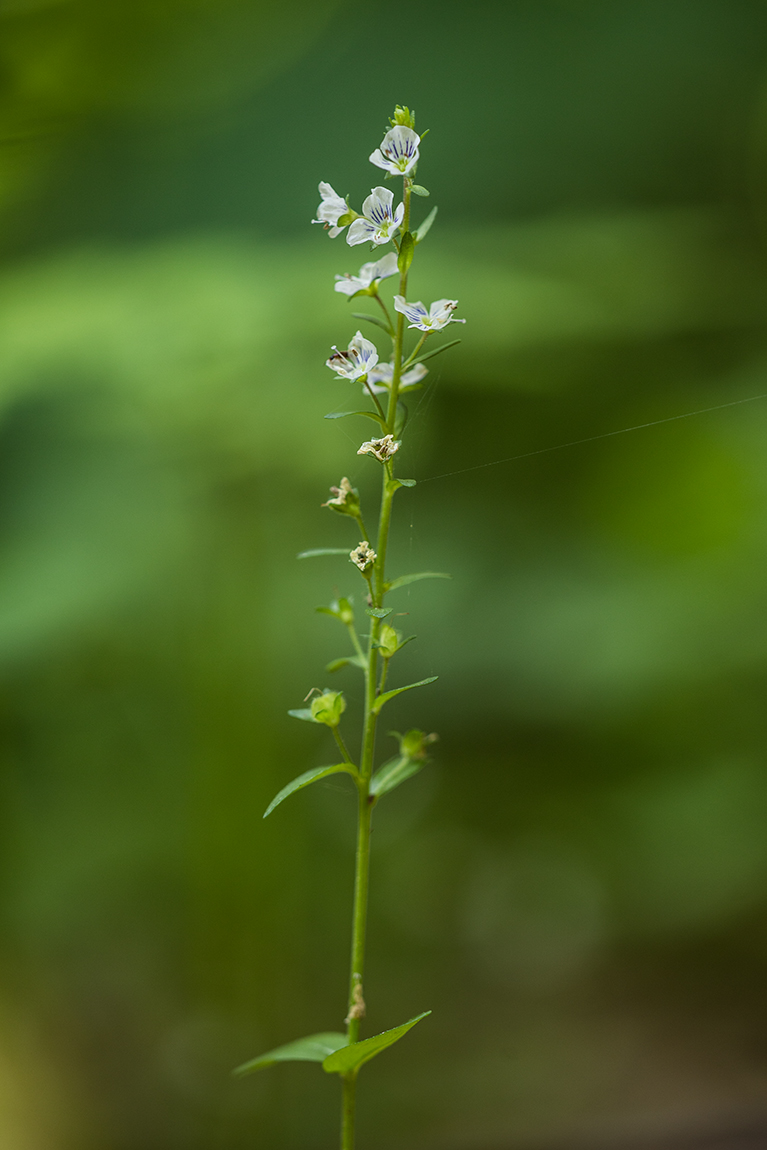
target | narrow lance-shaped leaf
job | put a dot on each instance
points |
(313, 1048)
(348, 1058)
(431, 354)
(425, 227)
(403, 580)
(305, 780)
(345, 661)
(390, 775)
(382, 699)
(373, 319)
(406, 249)
(323, 551)
(370, 414)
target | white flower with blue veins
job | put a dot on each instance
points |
(398, 153)
(368, 275)
(439, 315)
(355, 363)
(379, 379)
(330, 211)
(378, 222)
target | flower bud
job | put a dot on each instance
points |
(345, 611)
(403, 116)
(413, 743)
(389, 641)
(328, 707)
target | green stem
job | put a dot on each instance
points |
(374, 397)
(399, 334)
(386, 313)
(347, 1112)
(365, 806)
(416, 350)
(354, 638)
(342, 745)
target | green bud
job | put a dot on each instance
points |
(345, 611)
(413, 743)
(403, 116)
(328, 707)
(389, 641)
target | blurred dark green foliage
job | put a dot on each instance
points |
(577, 887)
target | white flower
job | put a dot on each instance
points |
(344, 497)
(382, 449)
(379, 379)
(377, 223)
(363, 555)
(356, 362)
(331, 208)
(368, 274)
(398, 153)
(439, 315)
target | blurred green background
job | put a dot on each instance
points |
(577, 887)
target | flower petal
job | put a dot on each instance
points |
(360, 232)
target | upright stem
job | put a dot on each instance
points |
(347, 1112)
(365, 806)
(399, 334)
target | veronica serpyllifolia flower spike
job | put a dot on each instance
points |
(378, 222)
(398, 153)
(382, 449)
(354, 363)
(439, 315)
(330, 211)
(368, 275)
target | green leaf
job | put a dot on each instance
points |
(346, 661)
(304, 713)
(437, 351)
(406, 249)
(419, 190)
(373, 319)
(406, 482)
(405, 579)
(382, 699)
(323, 551)
(378, 612)
(313, 1048)
(305, 780)
(425, 227)
(370, 414)
(348, 1058)
(391, 774)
